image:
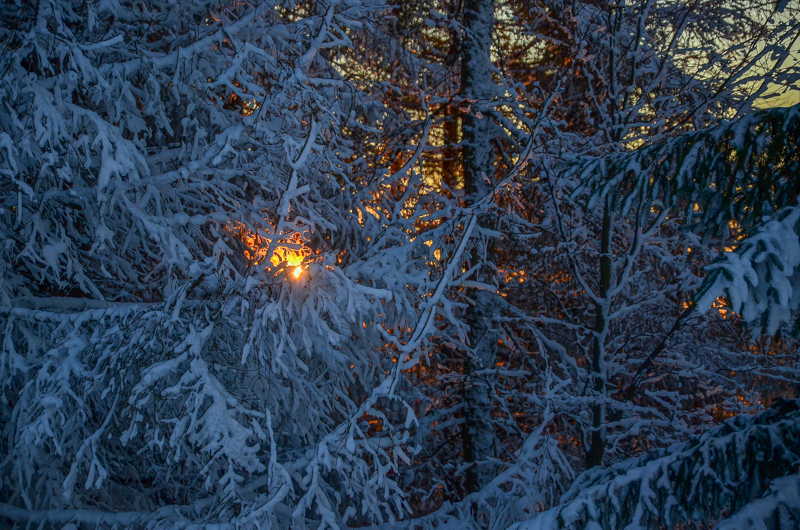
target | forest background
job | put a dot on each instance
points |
(418, 264)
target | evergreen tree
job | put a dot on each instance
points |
(207, 300)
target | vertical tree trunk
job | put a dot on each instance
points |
(477, 86)
(597, 445)
(477, 153)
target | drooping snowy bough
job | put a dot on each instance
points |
(744, 471)
(205, 298)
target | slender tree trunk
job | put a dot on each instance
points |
(477, 87)
(477, 156)
(597, 445)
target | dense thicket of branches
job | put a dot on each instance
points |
(425, 264)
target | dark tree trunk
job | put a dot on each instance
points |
(597, 445)
(478, 157)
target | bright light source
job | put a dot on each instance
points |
(293, 258)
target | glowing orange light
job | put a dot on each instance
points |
(293, 257)
(292, 252)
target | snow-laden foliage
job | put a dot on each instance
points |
(761, 277)
(649, 150)
(778, 508)
(741, 174)
(738, 170)
(675, 206)
(596, 279)
(534, 480)
(206, 301)
(735, 470)
(331, 264)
